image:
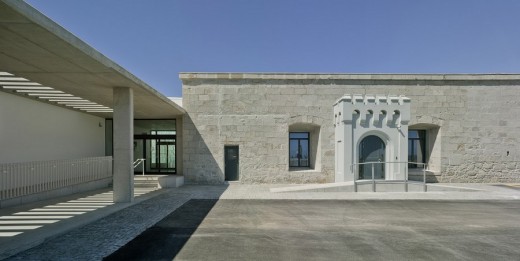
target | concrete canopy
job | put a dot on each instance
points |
(34, 47)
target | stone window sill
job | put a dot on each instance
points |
(302, 170)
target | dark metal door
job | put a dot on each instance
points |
(372, 149)
(231, 163)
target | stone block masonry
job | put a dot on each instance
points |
(471, 121)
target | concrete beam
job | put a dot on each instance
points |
(36, 48)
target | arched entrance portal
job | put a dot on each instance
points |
(372, 149)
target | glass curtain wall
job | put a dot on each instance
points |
(155, 142)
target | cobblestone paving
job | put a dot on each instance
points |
(99, 239)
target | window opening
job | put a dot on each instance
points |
(416, 148)
(299, 149)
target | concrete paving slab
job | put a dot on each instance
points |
(331, 230)
(264, 191)
(101, 238)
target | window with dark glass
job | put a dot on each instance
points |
(299, 149)
(416, 148)
(162, 151)
(154, 141)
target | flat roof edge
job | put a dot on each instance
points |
(187, 76)
(48, 24)
(54, 28)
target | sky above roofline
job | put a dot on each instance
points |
(155, 40)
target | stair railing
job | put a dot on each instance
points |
(137, 162)
(355, 169)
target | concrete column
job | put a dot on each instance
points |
(123, 144)
(179, 145)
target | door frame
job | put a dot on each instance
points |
(226, 147)
(388, 150)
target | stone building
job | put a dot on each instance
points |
(280, 128)
(72, 120)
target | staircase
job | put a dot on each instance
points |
(147, 181)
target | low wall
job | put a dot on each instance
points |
(32, 181)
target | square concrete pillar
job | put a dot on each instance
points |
(123, 145)
(179, 145)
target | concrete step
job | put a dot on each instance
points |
(158, 181)
(137, 185)
(146, 181)
(366, 186)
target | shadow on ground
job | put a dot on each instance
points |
(237, 229)
(165, 239)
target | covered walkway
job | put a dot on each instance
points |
(28, 225)
(56, 92)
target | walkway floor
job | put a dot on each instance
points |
(91, 227)
(26, 226)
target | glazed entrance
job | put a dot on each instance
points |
(155, 142)
(154, 146)
(158, 150)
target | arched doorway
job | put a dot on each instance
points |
(372, 149)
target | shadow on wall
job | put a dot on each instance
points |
(199, 164)
(166, 239)
(432, 149)
(417, 175)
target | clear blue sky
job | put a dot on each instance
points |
(157, 39)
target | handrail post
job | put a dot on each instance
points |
(406, 184)
(373, 180)
(405, 176)
(353, 167)
(142, 161)
(424, 177)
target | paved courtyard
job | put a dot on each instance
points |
(208, 229)
(283, 222)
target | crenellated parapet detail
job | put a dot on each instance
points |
(372, 110)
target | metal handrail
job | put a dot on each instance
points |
(23, 179)
(353, 168)
(139, 161)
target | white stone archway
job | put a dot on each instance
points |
(357, 150)
(358, 116)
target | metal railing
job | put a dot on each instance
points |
(355, 169)
(25, 178)
(139, 161)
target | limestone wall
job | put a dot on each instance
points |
(472, 123)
